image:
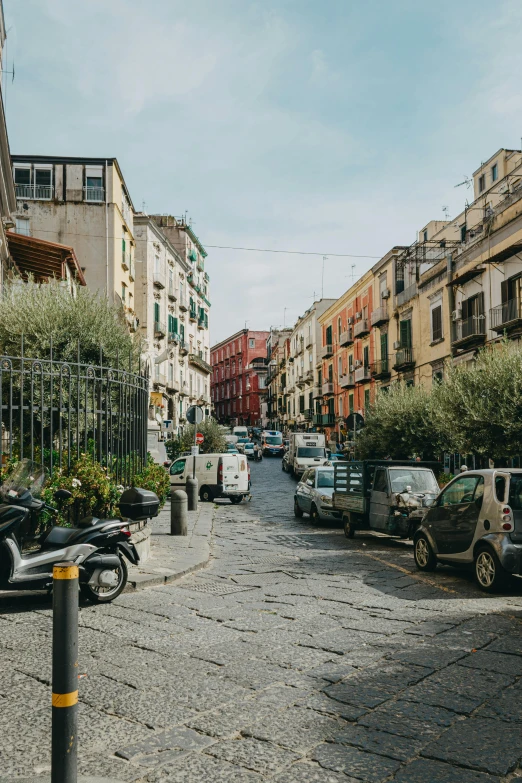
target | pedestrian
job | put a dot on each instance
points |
(463, 468)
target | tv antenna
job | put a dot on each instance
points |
(445, 210)
(466, 181)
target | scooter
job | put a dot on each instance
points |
(97, 546)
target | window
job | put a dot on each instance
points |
(341, 407)
(494, 172)
(23, 226)
(350, 402)
(463, 490)
(380, 484)
(425, 235)
(171, 371)
(436, 322)
(463, 230)
(366, 356)
(33, 182)
(366, 400)
(328, 335)
(123, 292)
(339, 326)
(156, 312)
(405, 333)
(177, 468)
(482, 183)
(339, 366)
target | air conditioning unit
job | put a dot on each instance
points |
(385, 294)
(456, 314)
(357, 363)
(396, 345)
(350, 319)
(358, 316)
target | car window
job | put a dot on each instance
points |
(325, 478)
(177, 468)
(461, 491)
(500, 488)
(479, 491)
(515, 492)
(305, 476)
(380, 484)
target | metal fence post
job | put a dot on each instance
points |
(178, 513)
(65, 674)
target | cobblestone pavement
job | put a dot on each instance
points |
(297, 656)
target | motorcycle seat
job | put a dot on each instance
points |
(60, 536)
(88, 521)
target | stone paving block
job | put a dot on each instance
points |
(95, 765)
(409, 719)
(450, 689)
(179, 738)
(506, 705)
(320, 702)
(296, 728)
(263, 757)
(380, 742)
(203, 769)
(424, 771)
(331, 672)
(462, 639)
(480, 743)
(494, 662)
(357, 763)
(307, 772)
(428, 655)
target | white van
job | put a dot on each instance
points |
(305, 450)
(240, 432)
(218, 475)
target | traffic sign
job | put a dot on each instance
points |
(194, 414)
(200, 438)
(354, 422)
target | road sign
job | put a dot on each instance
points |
(167, 423)
(199, 438)
(194, 414)
(354, 422)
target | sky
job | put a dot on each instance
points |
(321, 126)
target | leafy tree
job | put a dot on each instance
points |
(212, 432)
(400, 424)
(42, 312)
(479, 406)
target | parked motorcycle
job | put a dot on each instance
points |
(98, 546)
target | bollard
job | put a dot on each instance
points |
(65, 674)
(178, 513)
(192, 494)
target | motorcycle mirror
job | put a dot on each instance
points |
(62, 494)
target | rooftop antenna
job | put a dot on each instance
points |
(445, 210)
(466, 181)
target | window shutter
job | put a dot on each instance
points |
(366, 355)
(480, 304)
(405, 334)
(175, 325)
(156, 312)
(182, 331)
(465, 309)
(384, 345)
(436, 323)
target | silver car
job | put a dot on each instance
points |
(476, 520)
(313, 494)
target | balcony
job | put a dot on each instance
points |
(309, 342)
(125, 259)
(381, 369)
(158, 278)
(361, 328)
(326, 351)
(160, 330)
(346, 337)
(362, 375)
(406, 295)
(132, 269)
(380, 316)
(202, 323)
(193, 316)
(183, 347)
(94, 195)
(404, 359)
(469, 332)
(347, 380)
(173, 337)
(34, 192)
(183, 390)
(172, 385)
(200, 363)
(172, 292)
(301, 381)
(309, 376)
(182, 303)
(507, 316)
(324, 419)
(160, 380)
(132, 322)
(308, 414)
(327, 388)
(316, 391)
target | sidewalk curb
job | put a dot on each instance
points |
(170, 572)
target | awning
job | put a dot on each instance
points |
(468, 275)
(43, 260)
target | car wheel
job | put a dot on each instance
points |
(298, 512)
(489, 573)
(206, 495)
(104, 595)
(349, 530)
(314, 513)
(425, 558)
(236, 499)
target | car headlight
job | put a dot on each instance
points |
(326, 499)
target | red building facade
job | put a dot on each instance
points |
(239, 368)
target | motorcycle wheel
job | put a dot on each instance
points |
(104, 595)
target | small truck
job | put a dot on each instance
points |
(389, 496)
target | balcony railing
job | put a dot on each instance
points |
(309, 376)
(346, 337)
(182, 302)
(506, 316)
(406, 295)
(309, 342)
(362, 374)
(200, 363)
(193, 314)
(172, 292)
(132, 271)
(327, 351)
(308, 413)
(404, 358)
(380, 316)
(173, 337)
(160, 330)
(158, 278)
(183, 347)
(125, 259)
(469, 331)
(172, 385)
(347, 380)
(301, 381)
(361, 328)
(96, 195)
(34, 192)
(160, 380)
(324, 419)
(381, 368)
(327, 388)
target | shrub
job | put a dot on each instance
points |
(155, 478)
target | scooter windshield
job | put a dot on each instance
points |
(27, 476)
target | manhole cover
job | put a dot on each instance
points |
(273, 559)
(217, 588)
(290, 540)
(271, 578)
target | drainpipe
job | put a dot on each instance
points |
(106, 230)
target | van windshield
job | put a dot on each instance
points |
(418, 480)
(274, 440)
(311, 452)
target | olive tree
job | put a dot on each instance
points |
(214, 439)
(400, 424)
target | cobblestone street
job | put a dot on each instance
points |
(297, 656)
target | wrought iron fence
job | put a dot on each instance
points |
(53, 411)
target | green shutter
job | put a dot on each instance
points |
(384, 345)
(405, 334)
(175, 325)
(182, 332)
(156, 312)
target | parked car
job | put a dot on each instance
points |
(313, 494)
(248, 450)
(476, 520)
(240, 445)
(256, 432)
(231, 449)
(334, 457)
(218, 475)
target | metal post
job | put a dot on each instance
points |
(65, 674)
(178, 513)
(192, 494)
